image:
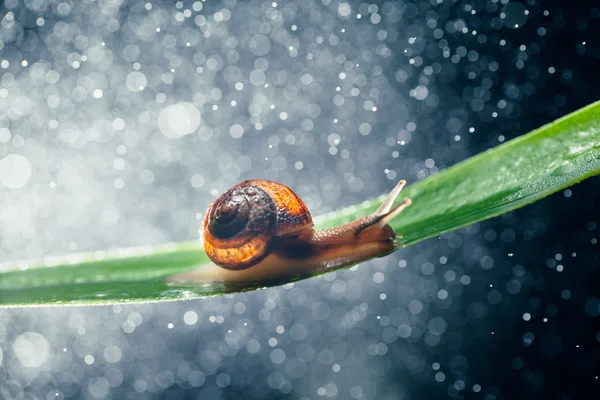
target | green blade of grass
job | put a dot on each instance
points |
(494, 182)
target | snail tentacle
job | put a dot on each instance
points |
(386, 205)
(390, 215)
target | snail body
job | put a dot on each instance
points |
(261, 232)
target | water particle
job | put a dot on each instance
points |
(440, 377)
(136, 81)
(31, 349)
(178, 120)
(344, 9)
(236, 131)
(15, 171)
(190, 318)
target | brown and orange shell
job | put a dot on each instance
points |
(239, 225)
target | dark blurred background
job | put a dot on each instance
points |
(94, 155)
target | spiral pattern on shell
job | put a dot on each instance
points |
(239, 225)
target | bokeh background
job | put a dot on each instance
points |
(120, 120)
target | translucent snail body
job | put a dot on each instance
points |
(261, 232)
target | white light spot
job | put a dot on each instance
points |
(257, 77)
(344, 9)
(197, 181)
(364, 128)
(118, 124)
(236, 131)
(15, 171)
(4, 135)
(112, 354)
(31, 349)
(259, 45)
(190, 317)
(136, 81)
(178, 120)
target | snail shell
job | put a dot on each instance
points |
(240, 225)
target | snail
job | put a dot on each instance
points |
(261, 232)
